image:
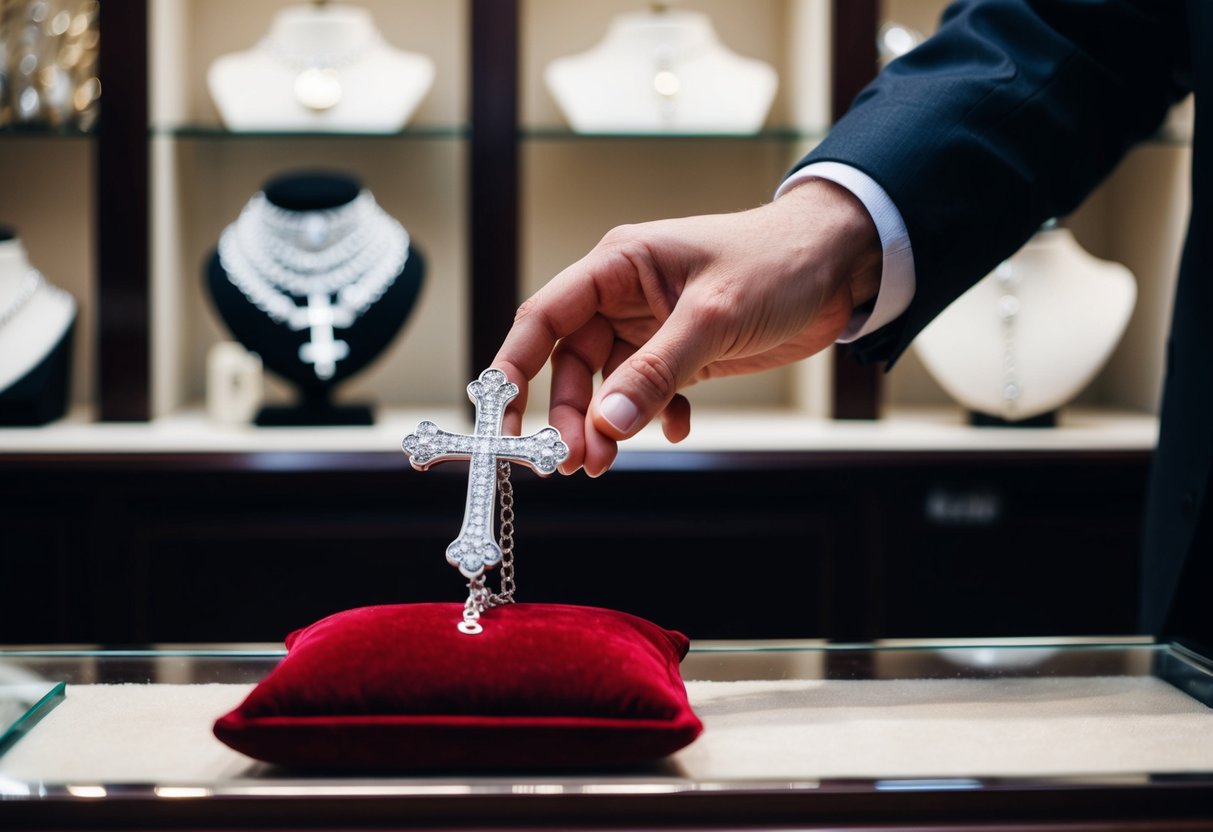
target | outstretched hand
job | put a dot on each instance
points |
(660, 306)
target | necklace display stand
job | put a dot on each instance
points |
(662, 71)
(1028, 338)
(37, 326)
(329, 338)
(321, 67)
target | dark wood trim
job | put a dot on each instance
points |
(314, 462)
(493, 178)
(854, 46)
(1007, 806)
(857, 389)
(122, 215)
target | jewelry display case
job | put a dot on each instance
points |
(493, 194)
(138, 492)
(1052, 734)
(198, 174)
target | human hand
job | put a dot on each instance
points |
(659, 306)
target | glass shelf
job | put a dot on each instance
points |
(206, 131)
(1061, 726)
(775, 134)
(43, 131)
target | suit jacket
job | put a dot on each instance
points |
(1011, 114)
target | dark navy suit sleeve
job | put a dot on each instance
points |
(1009, 115)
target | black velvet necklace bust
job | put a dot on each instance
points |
(279, 345)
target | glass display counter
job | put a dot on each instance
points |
(1103, 735)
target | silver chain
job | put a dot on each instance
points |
(1008, 309)
(480, 597)
(25, 293)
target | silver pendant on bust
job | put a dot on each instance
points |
(318, 88)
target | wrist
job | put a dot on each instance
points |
(842, 233)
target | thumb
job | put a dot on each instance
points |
(640, 388)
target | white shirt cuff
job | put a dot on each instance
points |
(897, 272)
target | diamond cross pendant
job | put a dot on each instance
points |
(322, 349)
(476, 549)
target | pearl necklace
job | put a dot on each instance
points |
(1008, 309)
(354, 252)
(29, 286)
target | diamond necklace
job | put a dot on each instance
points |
(354, 252)
(302, 252)
(30, 284)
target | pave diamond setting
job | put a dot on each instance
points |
(476, 549)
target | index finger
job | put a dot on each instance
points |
(567, 303)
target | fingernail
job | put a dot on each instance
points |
(619, 410)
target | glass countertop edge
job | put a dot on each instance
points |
(554, 785)
(69, 652)
(14, 731)
(710, 661)
(701, 646)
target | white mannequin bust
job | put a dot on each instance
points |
(37, 325)
(320, 68)
(662, 71)
(1068, 311)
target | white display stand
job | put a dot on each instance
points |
(234, 383)
(322, 68)
(38, 326)
(662, 71)
(1069, 312)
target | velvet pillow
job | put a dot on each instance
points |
(400, 688)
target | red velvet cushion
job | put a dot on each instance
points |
(398, 687)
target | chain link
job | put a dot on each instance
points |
(505, 535)
(480, 597)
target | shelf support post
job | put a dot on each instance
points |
(121, 215)
(857, 388)
(494, 179)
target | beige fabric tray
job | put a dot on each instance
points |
(798, 730)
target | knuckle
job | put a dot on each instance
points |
(526, 308)
(619, 235)
(540, 313)
(715, 311)
(566, 351)
(719, 302)
(656, 374)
